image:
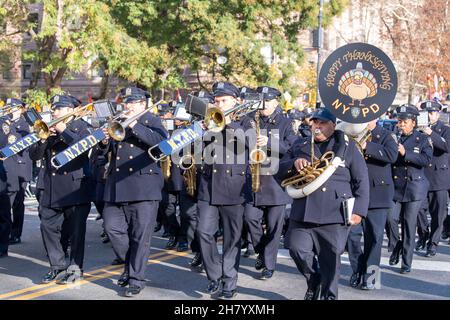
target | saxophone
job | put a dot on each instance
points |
(166, 163)
(257, 156)
(190, 173)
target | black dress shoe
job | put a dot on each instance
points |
(228, 294)
(430, 253)
(123, 279)
(172, 243)
(266, 274)
(367, 286)
(157, 227)
(182, 246)
(52, 275)
(394, 259)
(405, 270)
(355, 279)
(117, 262)
(312, 293)
(420, 244)
(248, 253)
(214, 286)
(196, 260)
(259, 263)
(14, 240)
(3, 254)
(165, 234)
(70, 277)
(445, 235)
(132, 291)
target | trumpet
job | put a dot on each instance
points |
(42, 128)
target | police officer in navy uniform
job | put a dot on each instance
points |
(18, 167)
(317, 225)
(133, 189)
(304, 129)
(222, 192)
(379, 152)
(5, 207)
(411, 186)
(437, 173)
(66, 193)
(297, 118)
(188, 202)
(270, 201)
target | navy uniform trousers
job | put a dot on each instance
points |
(232, 218)
(17, 199)
(266, 244)
(130, 226)
(5, 222)
(188, 221)
(52, 220)
(407, 213)
(372, 227)
(328, 243)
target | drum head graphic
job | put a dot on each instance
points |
(358, 82)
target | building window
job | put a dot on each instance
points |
(34, 19)
(26, 71)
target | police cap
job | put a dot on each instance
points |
(323, 114)
(269, 93)
(62, 101)
(133, 94)
(407, 111)
(221, 89)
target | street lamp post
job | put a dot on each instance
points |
(319, 47)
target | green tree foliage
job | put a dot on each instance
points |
(196, 33)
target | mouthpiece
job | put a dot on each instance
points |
(317, 132)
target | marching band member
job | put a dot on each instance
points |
(5, 206)
(380, 152)
(18, 167)
(222, 193)
(437, 173)
(415, 152)
(65, 194)
(133, 189)
(317, 225)
(271, 200)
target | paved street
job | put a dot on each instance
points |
(169, 276)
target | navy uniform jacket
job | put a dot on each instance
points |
(132, 174)
(98, 167)
(437, 172)
(18, 167)
(410, 181)
(225, 184)
(324, 206)
(271, 193)
(175, 182)
(71, 184)
(380, 153)
(3, 184)
(304, 131)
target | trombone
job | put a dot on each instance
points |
(42, 128)
(214, 121)
(116, 128)
(8, 110)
